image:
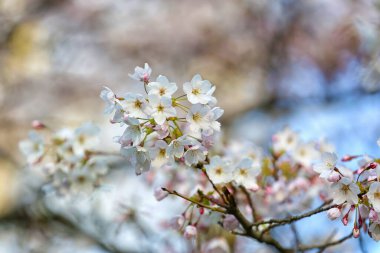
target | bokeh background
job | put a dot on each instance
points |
(311, 65)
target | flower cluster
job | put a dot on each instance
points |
(357, 191)
(66, 157)
(161, 127)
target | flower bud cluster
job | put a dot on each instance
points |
(357, 190)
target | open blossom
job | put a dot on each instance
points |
(245, 174)
(374, 229)
(199, 91)
(195, 154)
(162, 87)
(109, 99)
(326, 167)
(218, 170)
(158, 152)
(138, 157)
(142, 74)
(374, 195)
(203, 120)
(132, 135)
(33, 148)
(161, 108)
(177, 147)
(85, 138)
(135, 105)
(305, 154)
(285, 141)
(345, 190)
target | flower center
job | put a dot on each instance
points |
(345, 188)
(196, 91)
(138, 104)
(162, 152)
(162, 91)
(81, 179)
(243, 172)
(219, 171)
(160, 108)
(196, 117)
(377, 195)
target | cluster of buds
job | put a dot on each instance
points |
(357, 191)
(66, 157)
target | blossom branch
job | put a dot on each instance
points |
(215, 209)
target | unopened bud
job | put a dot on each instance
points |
(333, 177)
(348, 158)
(190, 232)
(177, 222)
(160, 194)
(356, 232)
(201, 210)
(38, 125)
(372, 166)
(334, 213)
(373, 216)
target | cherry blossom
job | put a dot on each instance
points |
(142, 74)
(199, 91)
(345, 190)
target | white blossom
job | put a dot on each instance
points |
(162, 87)
(132, 135)
(218, 170)
(33, 148)
(374, 195)
(202, 118)
(285, 141)
(85, 138)
(305, 154)
(81, 180)
(138, 157)
(199, 91)
(327, 166)
(345, 190)
(161, 108)
(177, 147)
(109, 99)
(334, 213)
(158, 152)
(195, 154)
(374, 229)
(245, 174)
(135, 105)
(142, 74)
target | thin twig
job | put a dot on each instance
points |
(216, 209)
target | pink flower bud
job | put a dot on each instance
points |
(201, 210)
(190, 232)
(230, 222)
(372, 166)
(177, 222)
(160, 194)
(38, 125)
(373, 216)
(348, 158)
(356, 232)
(334, 213)
(333, 177)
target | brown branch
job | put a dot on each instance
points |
(279, 222)
(325, 245)
(216, 209)
(255, 216)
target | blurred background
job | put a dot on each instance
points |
(311, 65)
